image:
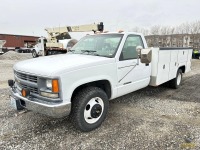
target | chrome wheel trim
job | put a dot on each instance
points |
(179, 77)
(88, 108)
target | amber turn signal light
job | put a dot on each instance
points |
(25, 92)
(55, 86)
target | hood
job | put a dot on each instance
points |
(52, 65)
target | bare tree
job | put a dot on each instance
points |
(136, 29)
(155, 30)
(173, 35)
(195, 34)
(144, 31)
(164, 31)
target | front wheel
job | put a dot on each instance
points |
(34, 54)
(176, 82)
(89, 108)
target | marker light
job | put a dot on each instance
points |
(55, 86)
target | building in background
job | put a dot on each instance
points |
(18, 41)
(174, 40)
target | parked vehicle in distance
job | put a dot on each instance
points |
(23, 49)
(2, 42)
(196, 54)
(59, 40)
(97, 69)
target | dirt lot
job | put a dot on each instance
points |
(151, 118)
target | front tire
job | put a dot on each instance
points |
(176, 82)
(34, 54)
(89, 109)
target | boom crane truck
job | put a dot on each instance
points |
(59, 39)
(2, 42)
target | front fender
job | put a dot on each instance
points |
(73, 79)
(89, 80)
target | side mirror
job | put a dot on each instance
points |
(146, 55)
(138, 49)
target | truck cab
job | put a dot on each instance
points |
(2, 42)
(97, 69)
(39, 48)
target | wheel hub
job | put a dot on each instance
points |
(93, 110)
(179, 79)
(96, 111)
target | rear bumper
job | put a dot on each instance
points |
(56, 110)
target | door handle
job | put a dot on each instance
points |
(163, 66)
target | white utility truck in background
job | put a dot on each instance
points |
(59, 40)
(97, 69)
(2, 42)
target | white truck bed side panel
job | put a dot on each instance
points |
(160, 66)
(188, 65)
(173, 64)
(166, 64)
(184, 59)
(163, 66)
(182, 56)
(154, 62)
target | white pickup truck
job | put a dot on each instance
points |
(98, 68)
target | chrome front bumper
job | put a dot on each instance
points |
(56, 110)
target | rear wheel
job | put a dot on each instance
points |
(176, 82)
(34, 54)
(89, 108)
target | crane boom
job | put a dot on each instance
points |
(54, 33)
(80, 28)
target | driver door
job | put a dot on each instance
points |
(40, 44)
(132, 75)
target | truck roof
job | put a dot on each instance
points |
(124, 32)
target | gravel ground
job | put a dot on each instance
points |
(151, 118)
(7, 61)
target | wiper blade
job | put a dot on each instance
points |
(71, 50)
(96, 54)
(88, 51)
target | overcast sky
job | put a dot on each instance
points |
(30, 17)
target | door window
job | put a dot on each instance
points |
(129, 49)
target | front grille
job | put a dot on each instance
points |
(32, 89)
(26, 77)
(23, 80)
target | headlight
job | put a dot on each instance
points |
(52, 85)
(49, 84)
(50, 89)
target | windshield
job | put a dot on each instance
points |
(104, 45)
